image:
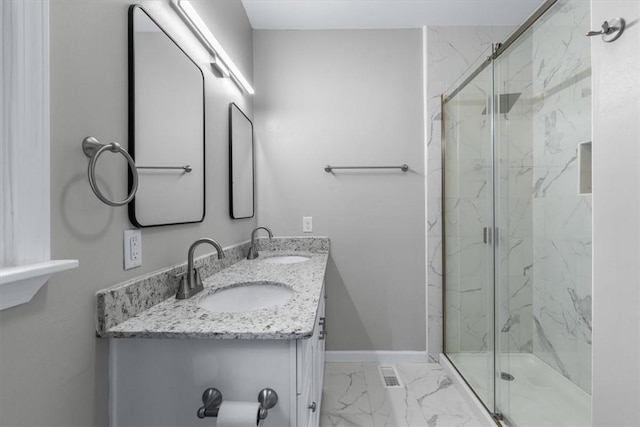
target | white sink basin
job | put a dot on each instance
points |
(286, 259)
(246, 297)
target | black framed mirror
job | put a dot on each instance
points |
(241, 164)
(166, 127)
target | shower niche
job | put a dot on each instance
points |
(517, 222)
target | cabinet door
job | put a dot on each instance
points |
(318, 375)
(316, 393)
(313, 410)
(310, 359)
(306, 350)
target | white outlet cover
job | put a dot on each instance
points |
(132, 245)
(307, 224)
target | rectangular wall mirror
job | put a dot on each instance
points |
(241, 164)
(166, 127)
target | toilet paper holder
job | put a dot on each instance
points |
(212, 399)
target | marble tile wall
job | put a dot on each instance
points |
(470, 290)
(450, 52)
(468, 212)
(562, 217)
(514, 213)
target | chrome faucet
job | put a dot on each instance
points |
(191, 283)
(253, 249)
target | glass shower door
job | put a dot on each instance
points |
(517, 222)
(468, 224)
(543, 214)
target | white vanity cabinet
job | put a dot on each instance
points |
(159, 382)
(310, 372)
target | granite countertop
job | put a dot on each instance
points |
(174, 318)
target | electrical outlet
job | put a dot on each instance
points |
(307, 224)
(132, 249)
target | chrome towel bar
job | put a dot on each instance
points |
(93, 149)
(186, 168)
(329, 168)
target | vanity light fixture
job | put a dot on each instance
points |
(219, 69)
(222, 64)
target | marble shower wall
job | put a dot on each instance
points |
(562, 217)
(470, 295)
(468, 202)
(450, 52)
(514, 213)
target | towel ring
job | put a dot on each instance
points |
(92, 148)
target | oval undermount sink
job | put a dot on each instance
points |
(286, 259)
(246, 297)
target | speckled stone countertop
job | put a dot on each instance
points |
(294, 320)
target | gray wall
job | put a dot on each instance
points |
(349, 98)
(616, 229)
(53, 370)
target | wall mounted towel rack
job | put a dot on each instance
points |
(329, 168)
(93, 149)
(185, 168)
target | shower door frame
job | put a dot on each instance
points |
(497, 50)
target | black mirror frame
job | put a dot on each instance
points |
(253, 164)
(132, 121)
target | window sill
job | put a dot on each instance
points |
(19, 284)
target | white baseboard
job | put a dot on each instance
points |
(469, 396)
(377, 356)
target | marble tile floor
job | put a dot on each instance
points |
(353, 395)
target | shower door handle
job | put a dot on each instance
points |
(486, 235)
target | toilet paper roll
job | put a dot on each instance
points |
(238, 414)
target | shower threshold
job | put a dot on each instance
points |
(538, 396)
